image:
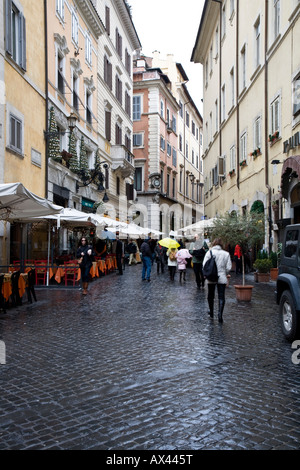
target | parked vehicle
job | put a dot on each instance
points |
(288, 283)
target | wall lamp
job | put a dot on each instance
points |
(72, 120)
(192, 178)
(93, 176)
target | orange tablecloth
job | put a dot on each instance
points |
(7, 285)
(101, 265)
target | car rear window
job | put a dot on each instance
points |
(291, 244)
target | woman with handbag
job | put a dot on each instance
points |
(85, 254)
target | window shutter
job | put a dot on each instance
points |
(129, 191)
(23, 42)
(108, 125)
(8, 26)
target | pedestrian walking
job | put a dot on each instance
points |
(146, 260)
(172, 262)
(85, 255)
(119, 254)
(132, 250)
(160, 257)
(223, 263)
(182, 256)
(198, 251)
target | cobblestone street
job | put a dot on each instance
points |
(140, 366)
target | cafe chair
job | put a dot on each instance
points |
(30, 286)
(40, 271)
(2, 301)
(15, 296)
(70, 274)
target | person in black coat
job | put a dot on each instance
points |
(119, 254)
(85, 253)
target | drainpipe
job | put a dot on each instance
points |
(237, 100)
(266, 129)
(46, 92)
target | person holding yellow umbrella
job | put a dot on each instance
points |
(172, 246)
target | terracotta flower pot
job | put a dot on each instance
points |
(263, 277)
(243, 292)
(274, 273)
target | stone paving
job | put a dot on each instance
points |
(140, 366)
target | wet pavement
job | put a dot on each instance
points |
(140, 366)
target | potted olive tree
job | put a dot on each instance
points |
(247, 230)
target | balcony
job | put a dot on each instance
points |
(122, 160)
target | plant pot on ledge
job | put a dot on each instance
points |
(243, 292)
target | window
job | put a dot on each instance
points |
(180, 142)
(119, 87)
(193, 157)
(118, 135)
(169, 149)
(275, 115)
(60, 76)
(291, 244)
(15, 133)
(88, 103)
(162, 110)
(127, 103)
(60, 8)
(276, 18)
(257, 43)
(15, 34)
(296, 96)
(216, 116)
(119, 43)
(118, 186)
(107, 72)
(127, 61)
(138, 140)
(186, 150)
(162, 143)
(217, 41)
(174, 157)
(88, 49)
(173, 187)
(137, 108)
(243, 145)
(138, 179)
(223, 103)
(168, 184)
(107, 20)
(108, 125)
(232, 86)
(174, 122)
(180, 109)
(243, 68)
(232, 158)
(257, 133)
(187, 119)
(75, 93)
(162, 180)
(74, 27)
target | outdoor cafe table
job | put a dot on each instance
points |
(59, 273)
(7, 285)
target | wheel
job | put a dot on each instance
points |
(288, 316)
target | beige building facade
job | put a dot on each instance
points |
(251, 66)
(190, 133)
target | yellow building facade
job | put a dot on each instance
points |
(251, 65)
(25, 100)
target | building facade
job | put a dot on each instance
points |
(189, 130)
(251, 108)
(22, 107)
(155, 112)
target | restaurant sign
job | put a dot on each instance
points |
(291, 143)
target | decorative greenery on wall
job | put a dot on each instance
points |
(53, 142)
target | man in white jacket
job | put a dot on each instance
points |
(224, 265)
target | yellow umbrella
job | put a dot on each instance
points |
(169, 243)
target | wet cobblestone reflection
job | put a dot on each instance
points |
(138, 365)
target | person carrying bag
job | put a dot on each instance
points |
(221, 259)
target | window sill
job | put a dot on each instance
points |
(15, 152)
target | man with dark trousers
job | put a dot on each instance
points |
(119, 254)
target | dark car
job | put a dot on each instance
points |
(288, 283)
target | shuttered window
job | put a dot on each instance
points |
(15, 33)
(15, 138)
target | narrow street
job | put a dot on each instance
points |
(140, 366)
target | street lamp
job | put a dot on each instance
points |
(72, 120)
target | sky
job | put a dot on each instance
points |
(171, 27)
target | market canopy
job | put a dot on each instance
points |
(199, 226)
(68, 216)
(17, 202)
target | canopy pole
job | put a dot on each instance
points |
(48, 254)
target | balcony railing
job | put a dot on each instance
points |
(123, 159)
